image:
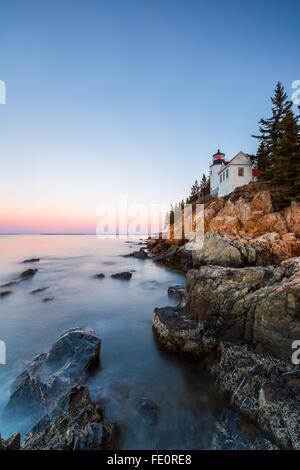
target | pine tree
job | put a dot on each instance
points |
(262, 157)
(171, 219)
(278, 153)
(286, 167)
(271, 131)
(195, 192)
(204, 186)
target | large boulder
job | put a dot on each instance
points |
(178, 333)
(260, 305)
(48, 376)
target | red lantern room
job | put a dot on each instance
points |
(218, 158)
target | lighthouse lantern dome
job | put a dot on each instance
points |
(218, 157)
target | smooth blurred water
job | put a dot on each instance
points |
(133, 365)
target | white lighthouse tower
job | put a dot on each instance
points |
(214, 168)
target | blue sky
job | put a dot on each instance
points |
(130, 97)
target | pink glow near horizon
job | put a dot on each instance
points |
(25, 222)
(35, 223)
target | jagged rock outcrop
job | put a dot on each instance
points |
(260, 305)
(241, 323)
(218, 249)
(240, 229)
(255, 217)
(171, 255)
(50, 392)
(178, 333)
(263, 388)
(240, 313)
(246, 216)
(39, 387)
(75, 424)
(221, 250)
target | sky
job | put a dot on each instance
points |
(130, 98)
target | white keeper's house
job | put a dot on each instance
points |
(225, 176)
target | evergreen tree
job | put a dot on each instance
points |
(286, 168)
(195, 192)
(171, 219)
(271, 131)
(198, 190)
(278, 154)
(204, 185)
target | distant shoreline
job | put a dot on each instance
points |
(95, 234)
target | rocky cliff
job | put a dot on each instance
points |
(240, 312)
(241, 229)
(259, 305)
(248, 214)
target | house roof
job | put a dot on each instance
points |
(228, 163)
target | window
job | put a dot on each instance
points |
(240, 171)
(220, 178)
(227, 173)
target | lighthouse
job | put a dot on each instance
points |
(217, 160)
(225, 176)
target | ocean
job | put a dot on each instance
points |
(133, 365)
